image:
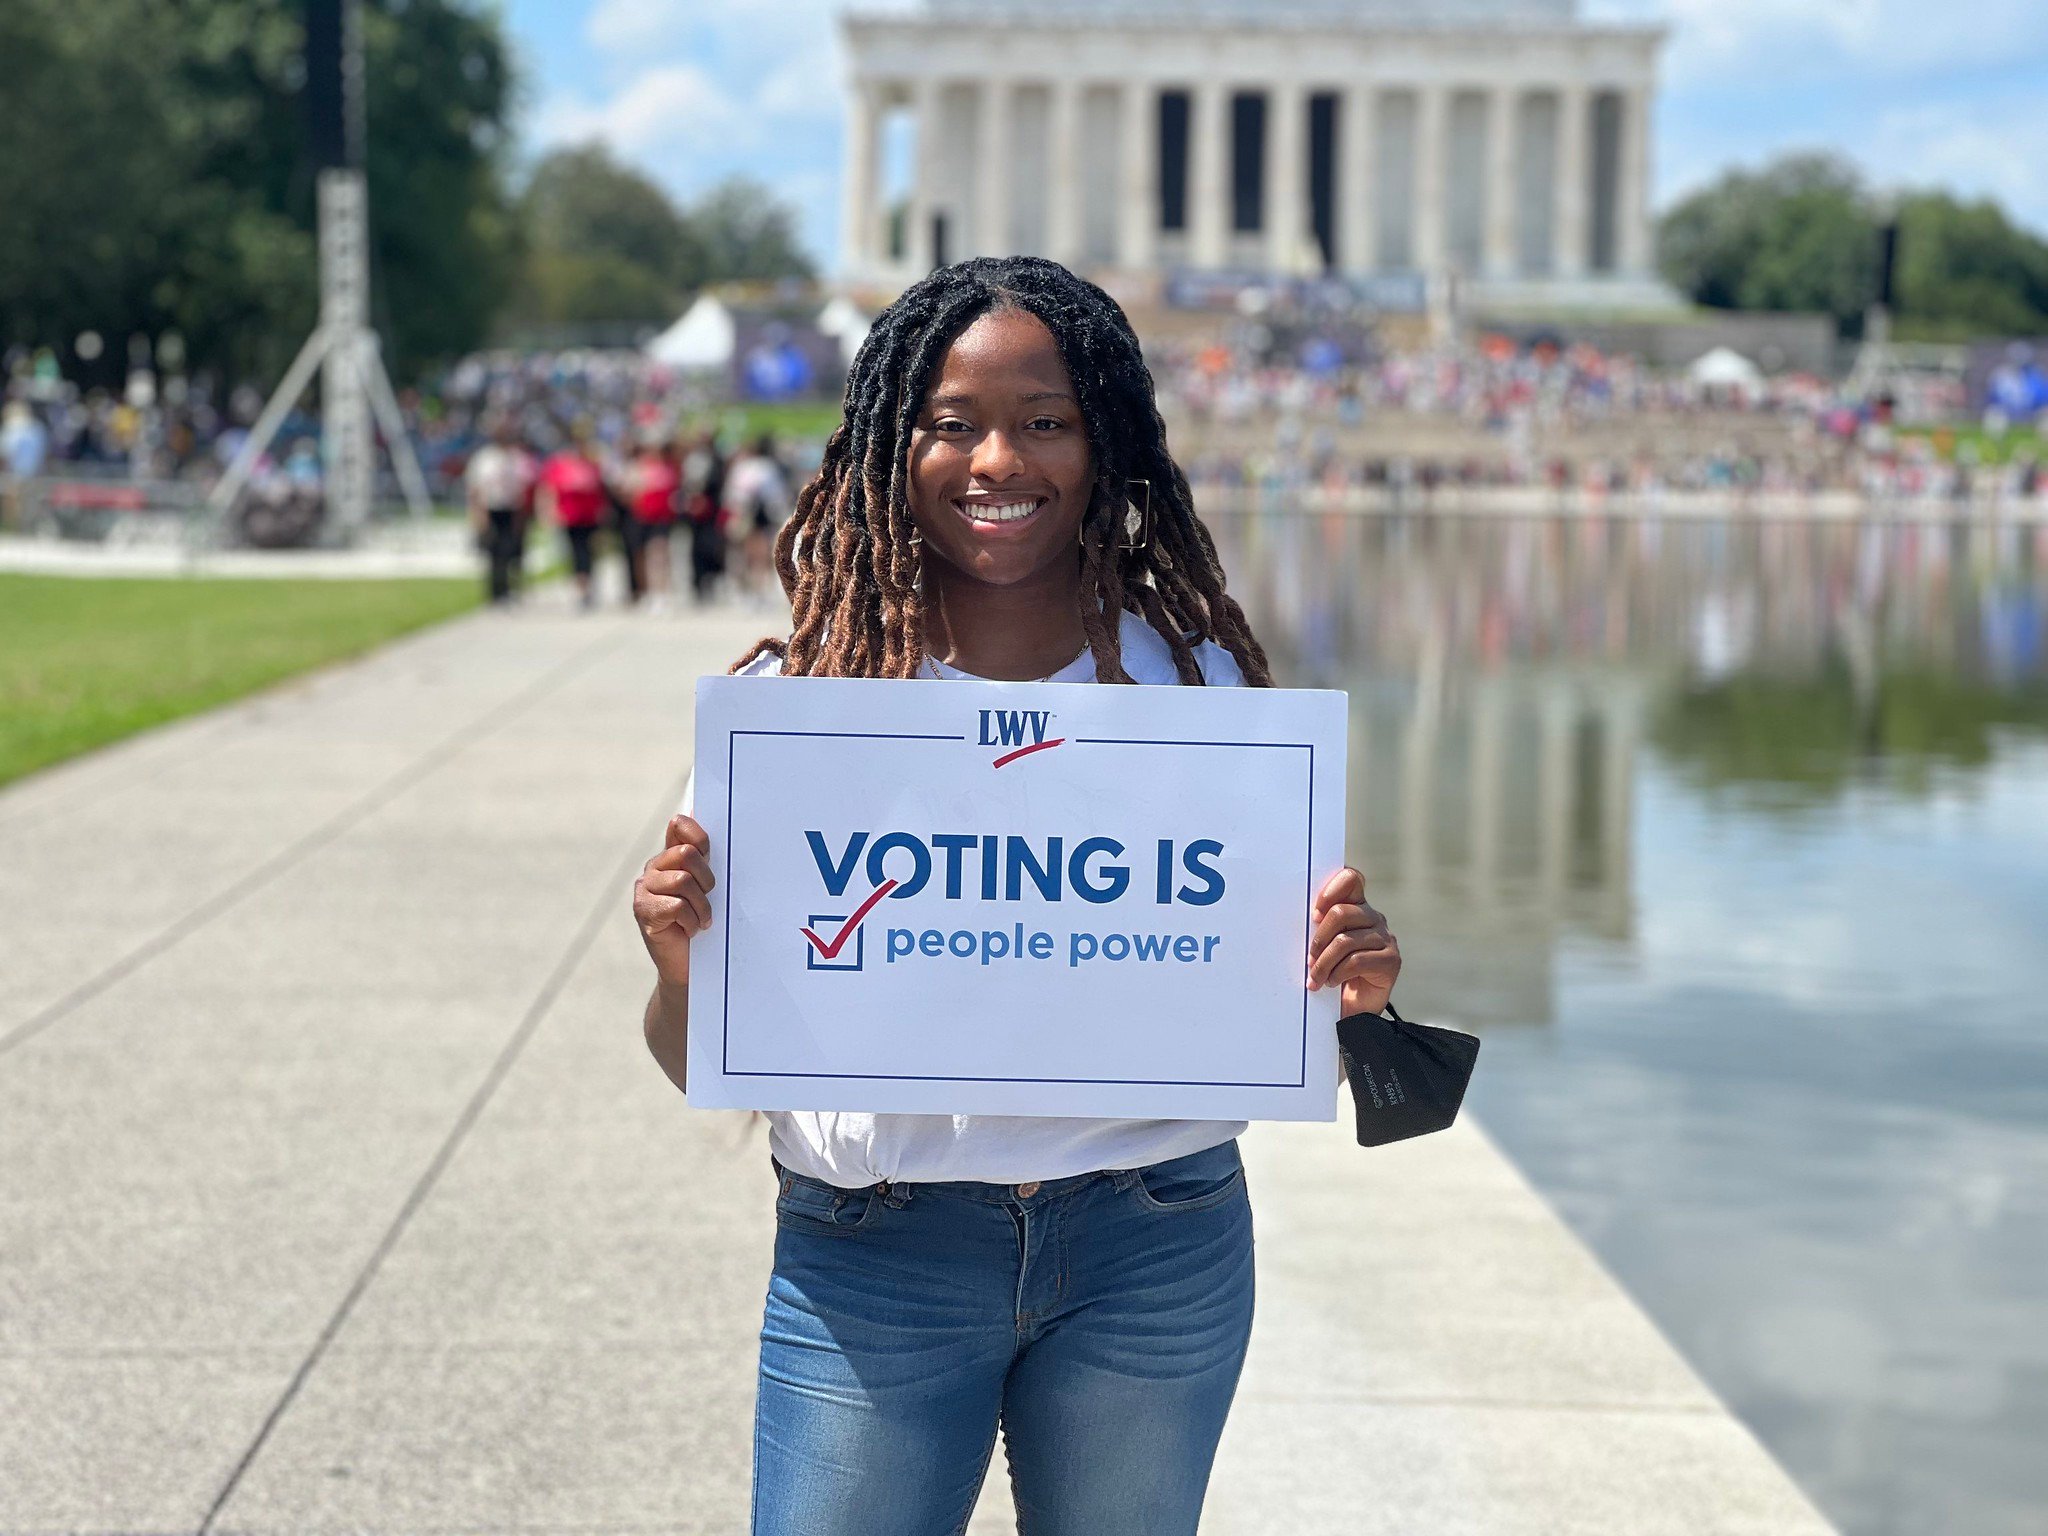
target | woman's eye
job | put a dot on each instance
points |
(948, 422)
(1047, 421)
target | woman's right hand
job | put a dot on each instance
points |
(671, 899)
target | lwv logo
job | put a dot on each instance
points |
(1023, 730)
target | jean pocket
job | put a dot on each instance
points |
(825, 1210)
(1196, 1182)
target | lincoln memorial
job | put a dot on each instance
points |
(1505, 142)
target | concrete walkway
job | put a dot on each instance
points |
(338, 1192)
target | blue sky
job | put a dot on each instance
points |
(691, 91)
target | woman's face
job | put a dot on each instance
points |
(1000, 470)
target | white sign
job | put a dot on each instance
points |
(1015, 898)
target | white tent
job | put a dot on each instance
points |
(1725, 368)
(702, 338)
(842, 320)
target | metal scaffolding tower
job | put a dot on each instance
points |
(343, 347)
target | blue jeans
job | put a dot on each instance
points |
(1100, 1320)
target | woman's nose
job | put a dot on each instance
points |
(995, 455)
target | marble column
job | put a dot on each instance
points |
(1432, 122)
(917, 234)
(1137, 224)
(1063, 212)
(997, 167)
(1284, 216)
(1573, 169)
(1500, 183)
(858, 250)
(1208, 174)
(1632, 192)
(1355, 231)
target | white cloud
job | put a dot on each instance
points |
(1973, 147)
(665, 107)
(1972, 150)
(806, 85)
(615, 26)
(691, 91)
(1776, 41)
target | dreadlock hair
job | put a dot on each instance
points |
(849, 565)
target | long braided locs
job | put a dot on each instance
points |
(849, 565)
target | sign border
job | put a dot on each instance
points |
(1308, 932)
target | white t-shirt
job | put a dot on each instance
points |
(853, 1150)
(497, 477)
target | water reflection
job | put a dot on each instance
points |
(1732, 838)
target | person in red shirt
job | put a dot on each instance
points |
(654, 485)
(571, 496)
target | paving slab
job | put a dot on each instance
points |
(351, 1200)
(96, 876)
(126, 1442)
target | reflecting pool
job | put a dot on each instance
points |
(1731, 839)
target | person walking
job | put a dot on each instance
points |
(655, 483)
(756, 502)
(571, 495)
(704, 469)
(1002, 505)
(497, 481)
(617, 469)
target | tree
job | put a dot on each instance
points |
(1799, 235)
(583, 202)
(1803, 233)
(156, 175)
(1965, 270)
(605, 242)
(439, 129)
(745, 232)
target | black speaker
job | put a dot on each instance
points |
(1887, 259)
(326, 94)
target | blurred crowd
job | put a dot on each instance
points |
(1578, 421)
(666, 500)
(1492, 382)
(601, 445)
(1312, 417)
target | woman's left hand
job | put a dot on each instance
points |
(1351, 945)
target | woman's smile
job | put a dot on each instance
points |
(993, 514)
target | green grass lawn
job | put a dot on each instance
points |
(1992, 447)
(796, 418)
(87, 661)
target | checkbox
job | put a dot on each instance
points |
(848, 958)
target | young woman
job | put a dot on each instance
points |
(1083, 1284)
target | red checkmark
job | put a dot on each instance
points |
(1011, 757)
(831, 951)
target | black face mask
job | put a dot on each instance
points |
(1406, 1079)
